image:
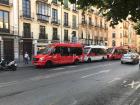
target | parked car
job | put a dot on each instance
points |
(94, 53)
(130, 57)
(59, 53)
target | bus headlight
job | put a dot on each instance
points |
(42, 59)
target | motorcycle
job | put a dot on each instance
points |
(8, 66)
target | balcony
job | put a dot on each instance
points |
(43, 36)
(55, 38)
(55, 2)
(12, 31)
(90, 24)
(43, 18)
(84, 22)
(26, 16)
(75, 27)
(66, 39)
(67, 7)
(55, 22)
(27, 35)
(6, 2)
(66, 25)
(75, 10)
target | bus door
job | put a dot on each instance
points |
(65, 55)
(56, 55)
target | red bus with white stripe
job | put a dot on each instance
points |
(94, 53)
(59, 53)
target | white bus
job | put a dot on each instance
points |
(95, 53)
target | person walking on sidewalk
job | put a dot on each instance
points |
(26, 58)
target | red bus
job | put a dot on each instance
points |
(59, 53)
(116, 52)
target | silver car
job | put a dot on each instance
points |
(130, 58)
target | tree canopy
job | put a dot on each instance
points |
(114, 10)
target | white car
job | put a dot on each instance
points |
(130, 58)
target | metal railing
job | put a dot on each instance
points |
(42, 17)
(6, 2)
(55, 21)
(11, 30)
(43, 36)
(27, 34)
(26, 16)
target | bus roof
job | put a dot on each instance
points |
(96, 46)
(68, 44)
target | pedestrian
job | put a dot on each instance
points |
(26, 58)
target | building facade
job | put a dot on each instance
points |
(29, 25)
(9, 29)
(122, 34)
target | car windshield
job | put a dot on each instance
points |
(86, 50)
(47, 50)
(110, 50)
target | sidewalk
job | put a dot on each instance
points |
(23, 65)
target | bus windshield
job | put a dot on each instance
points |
(47, 50)
(86, 50)
(110, 50)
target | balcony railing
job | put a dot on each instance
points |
(27, 35)
(90, 24)
(74, 26)
(66, 25)
(55, 22)
(66, 7)
(55, 2)
(43, 18)
(6, 2)
(12, 30)
(43, 36)
(55, 37)
(26, 16)
(84, 22)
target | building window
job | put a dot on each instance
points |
(101, 23)
(90, 21)
(42, 34)
(113, 35)
(4, 2)
(74, 21)
(66, 3)
(55, 37)
(4, 21)
(120, 35)
(113, 43)
(66, 38)
(26, 8)
(65, 19)
(26, 30)
(54, 1)
(43, 11)
(54, 15)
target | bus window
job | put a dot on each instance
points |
(57, 50)
(64, 51)
(86, 50)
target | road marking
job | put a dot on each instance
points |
(115, 79)
(57, 69)
(74, 103)
(8, 83)
(54, 75)
(71, 66)
(100, 72)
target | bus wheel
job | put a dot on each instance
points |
(48, 64)
(89, 60)
(76, 61)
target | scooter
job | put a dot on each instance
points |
(8, 66)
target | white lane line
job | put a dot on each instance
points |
(100, 72)
(71, 66)
(8, 83)
(51, 76)
(115, 79)
(57, 69)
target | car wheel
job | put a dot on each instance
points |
(76, 62)
(122, 62)
(49, 64)
(89, 60)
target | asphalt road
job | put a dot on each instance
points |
(97, 83)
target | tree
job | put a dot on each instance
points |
(115, 11)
